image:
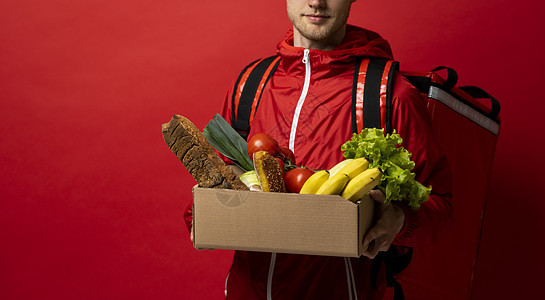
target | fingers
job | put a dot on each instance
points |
(193, 239)
(377, 195)
(191, 233)
(375, 246)
(373, 243)
(376, 240)
(369, 237)
(372, 251)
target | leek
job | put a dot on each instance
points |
(228, 142)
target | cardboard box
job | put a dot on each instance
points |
(280, 222)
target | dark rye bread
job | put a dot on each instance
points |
(198, 156)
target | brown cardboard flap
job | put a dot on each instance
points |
(366, 214)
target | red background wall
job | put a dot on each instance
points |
(91, 197)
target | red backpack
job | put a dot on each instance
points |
(467, 131)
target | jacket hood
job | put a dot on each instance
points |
(358, 42)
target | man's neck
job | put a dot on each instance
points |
(326, 45)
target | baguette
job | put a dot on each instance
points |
(198, 156)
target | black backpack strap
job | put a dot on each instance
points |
(394, 263)
(372, 108)
(247, 92)
(477, 92)
(372, 94)
(452, 77)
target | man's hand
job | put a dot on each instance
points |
(193, 239)
(389, 222)
(191, 233)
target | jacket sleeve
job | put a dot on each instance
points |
(411, 120)
(226, 111)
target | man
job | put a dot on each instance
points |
(306, 105)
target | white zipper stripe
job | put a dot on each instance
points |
(299, 106)
(296, 114)
(291, 146)
(269, 279)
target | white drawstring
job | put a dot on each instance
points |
(269, 279)
(226, 279)
(352, 277)
(348, 280)
(352, 292)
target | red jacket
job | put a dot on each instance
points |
(323, 124)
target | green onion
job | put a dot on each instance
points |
(228, 142)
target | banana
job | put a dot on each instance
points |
(361, 184)
(339, 166)
(314, 182)
(355, 167)
(334, 184)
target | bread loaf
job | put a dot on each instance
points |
(269, 172)
(197, 155)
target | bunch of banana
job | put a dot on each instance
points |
(362, 184)
(352, 180)
(339, 166)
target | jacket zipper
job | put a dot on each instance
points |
(296, 114)
(302, 98)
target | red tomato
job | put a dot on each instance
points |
(295, 179)
(288, 155)
(263, 142)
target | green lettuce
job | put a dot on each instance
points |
(385, 152)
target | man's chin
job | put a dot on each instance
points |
(312, 30)
(316, 35)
